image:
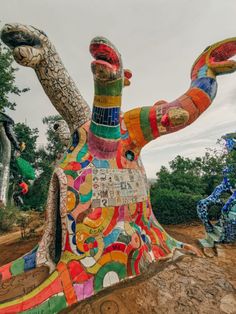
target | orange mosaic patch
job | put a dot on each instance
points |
(66, 283)
(200, 98)
(71, 201)
(132, 121)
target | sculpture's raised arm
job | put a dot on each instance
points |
(109, 80)
(31, 47)
(104, 132)
(147, 123)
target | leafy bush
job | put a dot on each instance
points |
(29, 222)
(178, 189)
(8, 216)
(174, 207)
(23, 222)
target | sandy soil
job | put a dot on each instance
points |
(186, 233)
(12, 246)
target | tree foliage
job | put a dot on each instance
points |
(29, 136)
(46, 158)
(174, 207)
(177, 190)
(7, 79)
(54, 145)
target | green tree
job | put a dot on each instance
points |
(54, 145)
(175, 193)
(7, 79)
(185, 181)
(7, 89)
(212, 168)
(46, 159)
(29, 136)
(37, 196)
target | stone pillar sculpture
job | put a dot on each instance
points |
(100, 227)
(5, 157)
(7, 138)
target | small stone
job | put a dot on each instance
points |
(228, 304)
(171, 267)
(209, 252)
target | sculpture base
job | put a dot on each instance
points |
(224, 231)
(187, 285)
(212, 238)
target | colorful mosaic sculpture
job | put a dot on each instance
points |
(224, 230)
(100, 228)
(7, 138)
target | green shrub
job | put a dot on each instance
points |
(8, 217)
(174, 207)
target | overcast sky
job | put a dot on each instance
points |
(159, 41)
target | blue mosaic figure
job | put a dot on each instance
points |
(228, 220)
(224, 231)
(214, 198)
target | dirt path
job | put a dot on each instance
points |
(186, 233)
(12, 246)
(10, 237)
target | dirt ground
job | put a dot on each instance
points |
(12, 246)
(186, 233)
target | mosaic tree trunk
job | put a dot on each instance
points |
(100, 228)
